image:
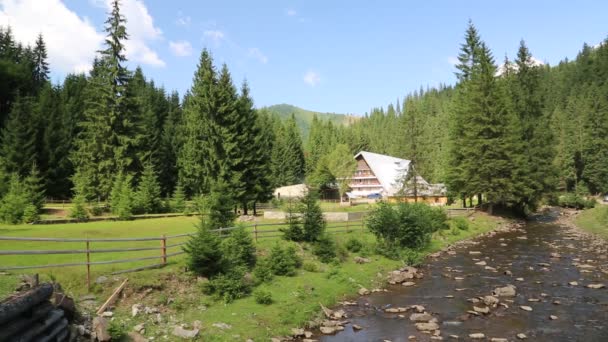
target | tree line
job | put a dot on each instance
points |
(113, 136)
(510, 134)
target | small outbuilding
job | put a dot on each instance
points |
(291, 191)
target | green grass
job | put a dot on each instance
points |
(594, 220)
(296, 299)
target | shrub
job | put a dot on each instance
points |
(325, 249)
(228, 287)
(97, 210)
(117, 330)
(353, 245)
(406, 225)
(263, 297)
(284, 261)
(217, 208)
(576, 201)
(411, 257)
(262, 273)
(293, 231)
(15, 201)
(238, 249)
(461, 223)
(78, 210)
(30, 214)
(121, 197)
(310, 266)
(204, 253)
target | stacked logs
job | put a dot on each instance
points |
(30, 316)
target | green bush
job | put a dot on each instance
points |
(406, 225)
(293, 231)
(78, 210)
(263, 297)
(284, 261)
(228, 287)
(14, 202)
(310, 266)
(262, 273)
(238, 249)
(204, 252)
(325, 249)
(305, 222)
(461, 223)
(353, 245)
(411, 257)
(117, 330)
(97, 210)
(576, 201)
(30, 214)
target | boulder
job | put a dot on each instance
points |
(136, 337)
(484, 310)
(139, 328)
(420, 317)
(490, 300)
(525, 308)
(596, 286)
(363, 291)
(136, 309)
(427, 326)
(328, 330)
(361, 260)
(185, 333)
(477, 336)
(506, 291)
(100, 327)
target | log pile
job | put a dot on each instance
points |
(30, 316)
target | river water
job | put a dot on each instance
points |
(525, 258)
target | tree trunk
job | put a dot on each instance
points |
(255, 211)
(471, 201)
(479, 199)
(245, 209)
(464, 202)
(24, 302)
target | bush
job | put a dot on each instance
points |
(305, 222)
(263, 297)
(228, 287)
(310, 266)
(406, 225)
(325, 249)
(117, 330)
(576, 201)
(97, 210)
(238, 249)
(284, 261)
(78, 210)
(204, 253)
(293, 231)
(262, 273)
(30, 214)
(353, 245)
(15, 201)
(460, 223)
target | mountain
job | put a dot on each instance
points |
(304, 117)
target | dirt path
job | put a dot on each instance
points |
(557, 271)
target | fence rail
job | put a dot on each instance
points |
(165, 250)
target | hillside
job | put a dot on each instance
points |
(304, 117)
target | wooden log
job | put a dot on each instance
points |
(112, 297)
(39, 327)
(18, 305)
(23, 321)
(54, 331)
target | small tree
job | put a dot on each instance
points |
(125, 202)
(78, 210)
(34, 188)
(218, 206)
(204, 252)
(14, 202)
(238, 249)
(179, 199)
(293, 232)
(115, 193)
(342, 165)
(148, 191)
(313, 223)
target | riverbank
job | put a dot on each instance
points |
(542, 280)
(174, 298)
(593, 220)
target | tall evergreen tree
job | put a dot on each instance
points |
(41, 66)
(18, 149)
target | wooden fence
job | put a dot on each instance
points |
(169, 246)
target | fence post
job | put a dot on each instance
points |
(255, 231)
(221, 234)
(88, 266)
(163, 245)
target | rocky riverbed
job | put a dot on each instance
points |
(543, 280)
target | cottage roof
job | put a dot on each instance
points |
(389, 170)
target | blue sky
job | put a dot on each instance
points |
(334, 56)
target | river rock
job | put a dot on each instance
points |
(552, 317)
(361, 260)
(525, 308)
(573, 283)
(596, 286)
(477, 336)
(136, 309)
(485, 310)
(185, 333)
(481, 263)
(507, 291)
(522, 336)
(100, 326)
(427, 326)
(139, 328)
(420, 317)
(498, 339)
(297, 332)
(417, 308)
(408, 283)
(490, 300)
(357, 327)
(222, 326)
(136, 337)
(328, 330)
(474, 252)
(399, 276)
(363, 291)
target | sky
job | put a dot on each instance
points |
(329, 56)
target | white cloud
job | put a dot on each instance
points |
(312, 78)
(216, 36)
(181, 48)
(257, 54)
(71, 41)
(183, 20)
(453, 60)
(291, 12)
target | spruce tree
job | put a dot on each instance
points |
(18, 149)
(148, 194)
(41, 66)
(171, 141)
(34, 188)
(595, 145)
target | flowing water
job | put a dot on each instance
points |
(528, 253)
